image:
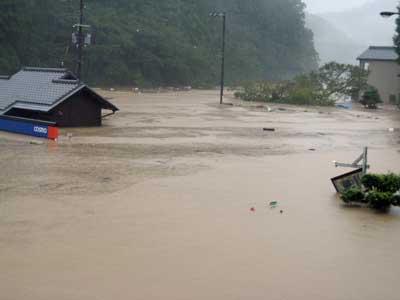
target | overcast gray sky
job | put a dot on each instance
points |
(316, 6)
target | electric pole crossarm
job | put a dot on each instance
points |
(80, 41)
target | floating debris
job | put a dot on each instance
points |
(273, 203)
(269, 129)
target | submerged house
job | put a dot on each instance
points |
(54, 95)
(384, 71)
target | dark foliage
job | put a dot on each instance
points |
(396, 199)
(382, 182)
(379, 200)
(371, 98)
(323, 87)
(381, 191)
(353, 196)
(397, 36)
(153, 42)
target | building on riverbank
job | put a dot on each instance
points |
(384, 71)
(54, 95)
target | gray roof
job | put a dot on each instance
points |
(379, 53)
(41, 89)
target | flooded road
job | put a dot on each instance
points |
(156, 205)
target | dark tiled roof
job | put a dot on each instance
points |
(40, 89)
(379, 53)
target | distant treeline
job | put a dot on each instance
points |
(160, 42)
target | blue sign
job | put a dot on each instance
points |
(28, 127)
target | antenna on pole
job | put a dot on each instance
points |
(80, 39)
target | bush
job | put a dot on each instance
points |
(396, 199)
(379, 200)
(353, 196)
(371, 98)
(382, 183)
(390, 183)
(371, 181)
(322, 87)
(393, 99)
(383, 190)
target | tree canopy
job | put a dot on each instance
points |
(168, 42)
(397, 36)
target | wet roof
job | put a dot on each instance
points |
(41, 89)
(379, 53)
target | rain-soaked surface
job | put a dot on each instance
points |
(156, 205)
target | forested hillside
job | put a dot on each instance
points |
(153, 42)
(333, 44)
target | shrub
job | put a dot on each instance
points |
(390, 183)
(371, 98)
(379, 200)
(382, 183)
(396, 199)
(322, 87)
(393, 99)
(371, 181)
(353, 196)
(383, 190)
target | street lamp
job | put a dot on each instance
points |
(388, 14)
(223, 16)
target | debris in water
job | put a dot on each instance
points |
(281, 211)
(391, 129)
(312, 149)
(343, 106)
(273, 203)
(36, 143)
(106, 179)
(253, 209)
(269, 129)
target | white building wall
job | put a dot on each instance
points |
(384, 75)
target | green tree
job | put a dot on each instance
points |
(371, 98)
(397, 36)
(331, 82)
(168, 42)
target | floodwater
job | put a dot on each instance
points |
(157, 205)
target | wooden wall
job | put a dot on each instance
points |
(80, 110)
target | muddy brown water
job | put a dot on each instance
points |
(156, 205)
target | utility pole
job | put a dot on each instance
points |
(223, 58)
(81, 41)
(223, 16)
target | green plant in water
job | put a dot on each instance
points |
(371, 98)
(353, 196)
(379, 200)
(382, 182)
(396, 199)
